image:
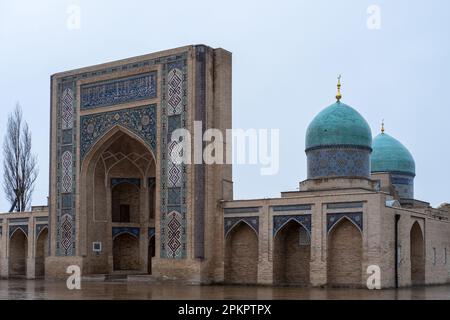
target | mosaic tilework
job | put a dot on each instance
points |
(66, 163)
(280, 221)
(65, 207)
(133, 231)
(39, 228)
(229, 223)
(173, 175)
(355, 217)
(140, 120)
(404, 185)
(338, 163)
(14, 228)
(111, 92)
(67, 140)
(67, 109)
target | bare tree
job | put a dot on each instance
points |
(19, 164)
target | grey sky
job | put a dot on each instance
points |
(286, 56)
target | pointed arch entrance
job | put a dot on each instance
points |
(292, 255)
(18, 253)
(115, 181)
(41, 252)
(345, 255)
(241, 255)
(417, 255)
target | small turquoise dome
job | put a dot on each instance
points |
(338, 125)
(390, 155)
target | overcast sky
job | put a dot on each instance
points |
(286, 56)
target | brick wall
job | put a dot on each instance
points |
(241, 256)
(344, 255)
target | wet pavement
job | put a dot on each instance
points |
(40, 289)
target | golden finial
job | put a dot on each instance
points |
(338, 95)
(382, 126)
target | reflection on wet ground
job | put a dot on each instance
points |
(40, 289)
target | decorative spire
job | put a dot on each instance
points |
(338, 95)
(382, 126)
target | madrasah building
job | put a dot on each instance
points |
(118, 205)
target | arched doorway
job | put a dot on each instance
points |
(115, 194)
(241, 255)
(345, 255)
(18, 253)
(292, 255)
(151, 253)
(41, 252)
(417, 255)
(125, 252)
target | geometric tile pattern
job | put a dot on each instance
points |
(338, 162)
(111, 92)
(174, 244)
(355, 217)
(280, 221)
(66, 234)
(173, 94)
(65, 209)
(174, 91)
(139, 120)
(252, 222)
(67, 109)
(173, 174)
(66, 163)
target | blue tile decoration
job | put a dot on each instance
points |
(338, 162)
(355, 217)
(133, 231)
(14, 228)
(111, 92)
(173, 187)
(66, 172)
(133, 181)
(241, 210)
(345, 205)
(280, 221)
(151, 232)
(403, 185)
(295, 207)
(39, 228)
(229, 223)
(139, 120)
(172, 102)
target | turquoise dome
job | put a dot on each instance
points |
(390, 155)
(338, 125)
